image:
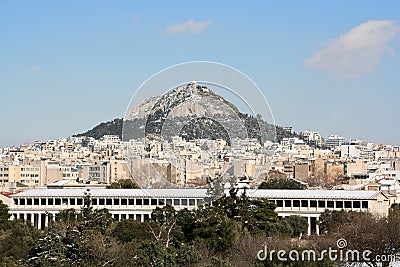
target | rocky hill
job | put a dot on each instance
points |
(192, 111)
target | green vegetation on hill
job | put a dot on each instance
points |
(113, 127)
(191, 131)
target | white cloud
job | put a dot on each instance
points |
(135, 18)
(25, 68)
(358, 51)
(190, 26)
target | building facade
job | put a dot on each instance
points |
(39, 206)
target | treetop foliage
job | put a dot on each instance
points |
(282, 183)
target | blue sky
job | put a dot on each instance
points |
(329, 66)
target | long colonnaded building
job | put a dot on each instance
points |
(39, 206)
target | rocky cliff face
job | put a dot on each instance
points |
(193, 111)
(158, 114)
(183, 101)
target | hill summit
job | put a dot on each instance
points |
(192, 111)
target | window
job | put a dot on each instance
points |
(365, 204)
(184, 202)
(313, 203)
(146, 201)
(169, 201)
(279, 203)
(139, 201)
(101, 201)
(304, 203)
(65, 201)
(16, 201)
(356, 204)
(296, 203)
(108, 201)
(192, 202)
(124, 201)
(347, 204)
(288, 203)
(50, 201)
(176, 202)
(200, 202)
(131, 201)
(94, 201)
(339, 204)
(154, 202)
(43, 201)
(330, 204)
(29, 201)
(72, 201)
(22, 201)
(116, 201)
(58, 201)
(161, 202)
(79, 202)
(35, 201)
(321, 203)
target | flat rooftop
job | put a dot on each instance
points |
(199, 193)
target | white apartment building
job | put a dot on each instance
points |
(4, 174)
(334, 141)
(313, 138)
(353, 151)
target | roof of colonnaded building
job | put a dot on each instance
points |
(96, 192)
(199, 193)
(313, 194)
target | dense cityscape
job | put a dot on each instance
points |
(335, 162)
(199, 133)
(314, 186)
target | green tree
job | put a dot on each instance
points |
(281, 228)
(213, 227)
(215, 190)
(153, 253)
(253, 214)
(163, 224)
(299, 225)
(17, 241)
(263, 214)
(124, 183)
(4, 215)
(186, 221)
(126, 231)
(328, 220)
(76, 239)
(282, 183)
